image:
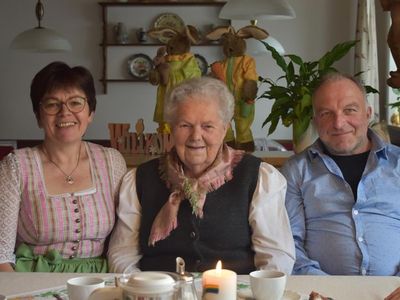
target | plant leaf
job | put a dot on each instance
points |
(290, 73)
(272, 128)
(335, 54)
(296, 59)
(369, 89)
(280, 60)
(394, 104)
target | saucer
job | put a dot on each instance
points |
(244, 293)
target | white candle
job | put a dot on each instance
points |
(219, 284)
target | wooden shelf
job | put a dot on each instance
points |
(108, 47)
(163, 3)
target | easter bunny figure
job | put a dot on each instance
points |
(238, 71)
(172, 64)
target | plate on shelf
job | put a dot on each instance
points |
(203, 64)
(169, 20)
(140, 65)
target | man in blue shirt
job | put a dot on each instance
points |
(343, 192)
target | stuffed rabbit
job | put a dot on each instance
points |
(238, 71)
(172, 64)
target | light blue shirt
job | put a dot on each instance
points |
(333, 233)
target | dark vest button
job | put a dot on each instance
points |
(193, 235)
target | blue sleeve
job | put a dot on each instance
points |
(295, 208)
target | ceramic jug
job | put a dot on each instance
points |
(151, 285)
(139, 286)
(121, 34)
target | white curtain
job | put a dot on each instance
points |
(366, 53)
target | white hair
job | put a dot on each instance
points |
(211, 89)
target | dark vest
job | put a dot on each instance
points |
(222, 234)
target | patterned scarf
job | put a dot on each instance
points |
(192, 189)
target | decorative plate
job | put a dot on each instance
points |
(139, 65)
(169, 20)
(202, 62)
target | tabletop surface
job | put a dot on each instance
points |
(336, 287)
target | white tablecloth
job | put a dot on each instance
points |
(337, 287)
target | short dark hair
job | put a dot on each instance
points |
(58, 75)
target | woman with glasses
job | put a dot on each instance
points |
(57, 200)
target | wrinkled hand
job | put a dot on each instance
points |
(395, 295)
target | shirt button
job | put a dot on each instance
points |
(363, 271)
(73, 248)
(72, 256)
(77, 220)
(360, 239)
(76, 210)
(76, 242)
(355, 212)
(77, 230)
(74, 201)
(193, 234)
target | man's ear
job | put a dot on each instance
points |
(369, 112)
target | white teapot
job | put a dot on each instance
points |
(140, 285)
(151, 285)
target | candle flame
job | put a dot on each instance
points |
(219, 267)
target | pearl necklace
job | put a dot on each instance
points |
(68, 177)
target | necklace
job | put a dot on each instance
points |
(68, 177)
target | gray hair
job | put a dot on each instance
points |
(210, 89)
(337, 76)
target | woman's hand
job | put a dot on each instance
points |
(6, 268)
(395, 295)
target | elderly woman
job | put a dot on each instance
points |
(203, 201)
(57, 200)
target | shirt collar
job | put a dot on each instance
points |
(378, 146)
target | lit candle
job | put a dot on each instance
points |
(219, 284)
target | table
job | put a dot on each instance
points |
(337, 287)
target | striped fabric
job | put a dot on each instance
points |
(75, 224)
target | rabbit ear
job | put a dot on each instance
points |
(163, 32)
(252, 31)
(217, 33)
(192, 34)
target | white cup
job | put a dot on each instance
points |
(267, 285)
(80, 288)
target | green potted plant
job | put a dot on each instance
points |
(292, 99)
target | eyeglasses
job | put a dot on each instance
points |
(54, 106)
